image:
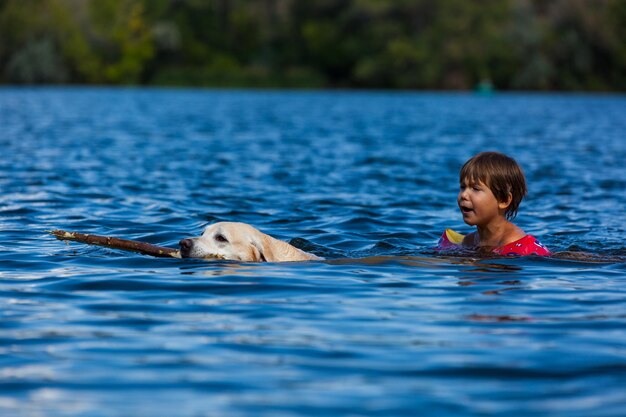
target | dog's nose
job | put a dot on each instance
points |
(185, 244)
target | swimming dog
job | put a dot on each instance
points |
(240, 242)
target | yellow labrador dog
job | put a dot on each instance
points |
(240, 242)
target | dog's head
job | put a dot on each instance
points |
(226, 240)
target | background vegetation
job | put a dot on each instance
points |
(403, 44)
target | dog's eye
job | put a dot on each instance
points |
(221, 238)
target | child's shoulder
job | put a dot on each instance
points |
(513, 233)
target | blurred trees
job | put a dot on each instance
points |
(416, 44)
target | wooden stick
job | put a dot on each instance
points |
(116, 243)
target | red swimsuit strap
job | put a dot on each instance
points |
(528, 245)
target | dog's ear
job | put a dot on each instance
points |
(257, 252)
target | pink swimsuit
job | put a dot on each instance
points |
(525, 246)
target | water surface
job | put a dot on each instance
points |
(384, 326)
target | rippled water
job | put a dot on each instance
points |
(384, 326)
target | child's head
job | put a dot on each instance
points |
(501, 174)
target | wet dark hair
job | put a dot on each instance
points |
(501, 174)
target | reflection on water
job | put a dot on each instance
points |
(385, 325)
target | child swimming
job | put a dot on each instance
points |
(492, 188)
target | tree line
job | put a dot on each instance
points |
(401, 44)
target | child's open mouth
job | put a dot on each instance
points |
(466, 210)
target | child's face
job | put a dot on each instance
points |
(478, 204)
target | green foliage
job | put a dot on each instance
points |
(36, 63)
(122, 38)
(404, 44)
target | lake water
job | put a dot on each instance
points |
(368, 180)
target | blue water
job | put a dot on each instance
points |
(384, 326)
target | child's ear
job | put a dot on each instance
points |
(505, 204)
